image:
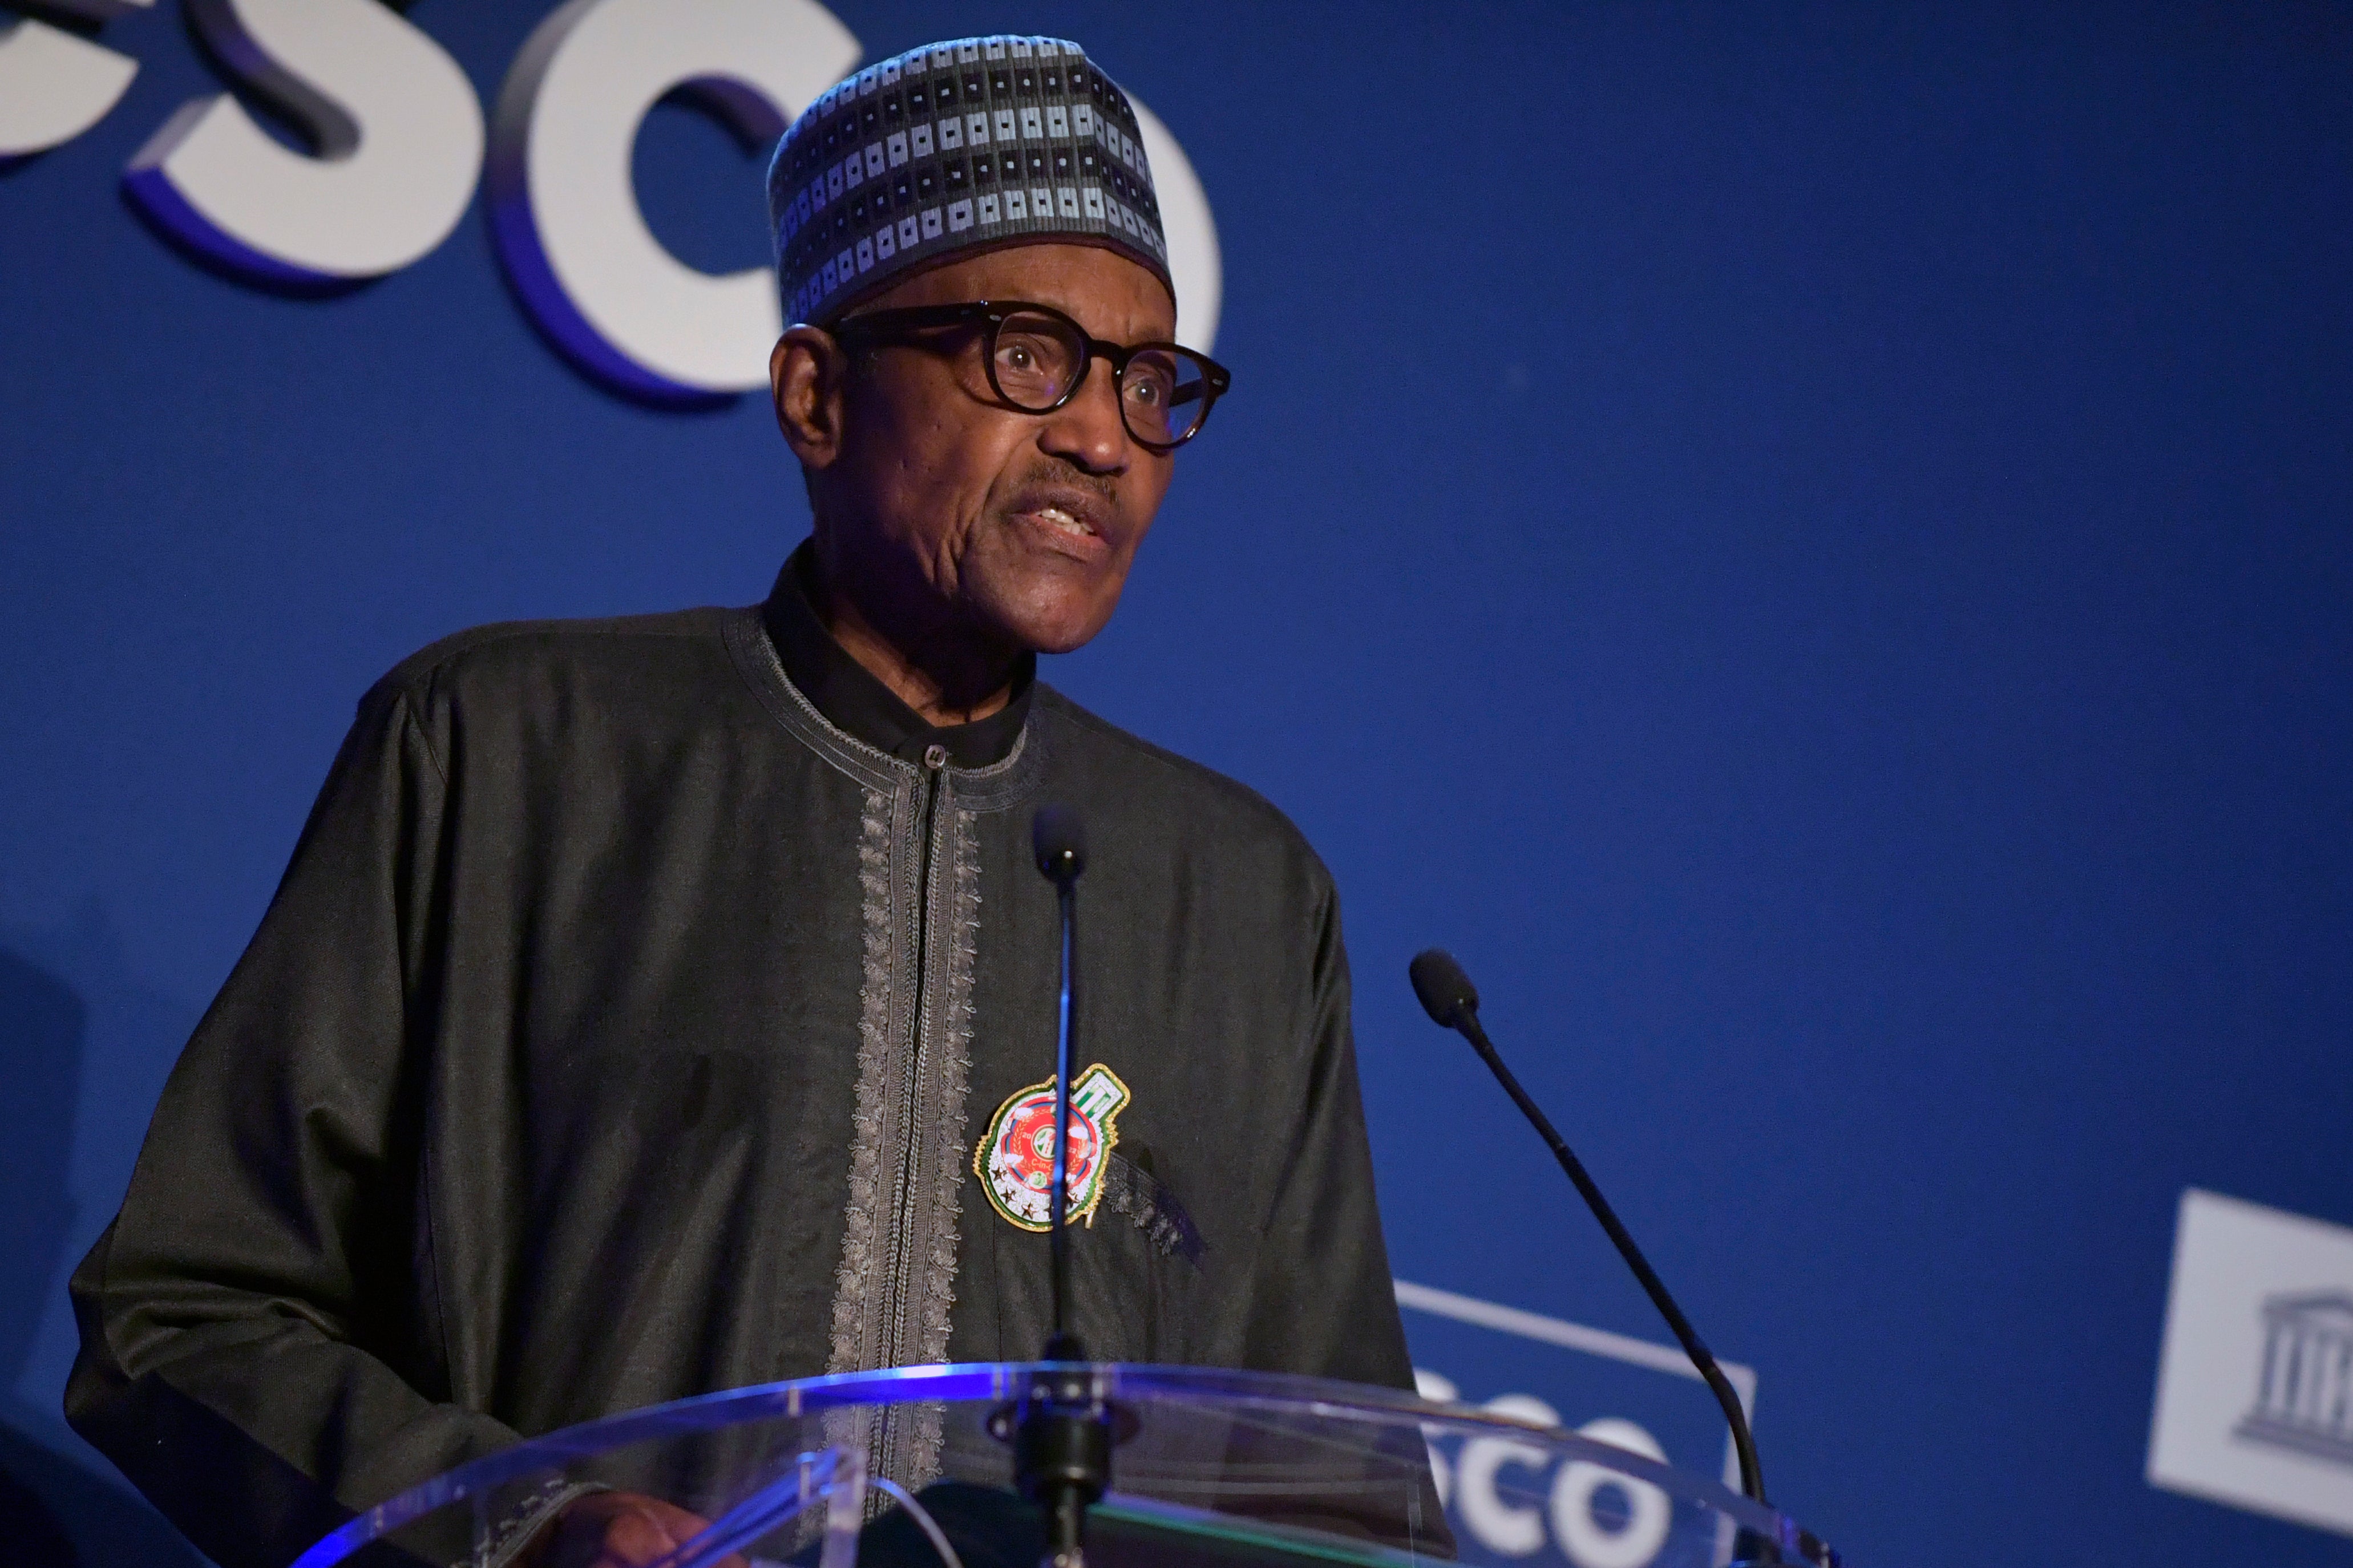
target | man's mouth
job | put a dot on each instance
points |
(1073, 518)
(1068, 523)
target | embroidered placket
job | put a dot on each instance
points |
(919, 877)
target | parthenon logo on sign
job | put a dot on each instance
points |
(2303, 1399)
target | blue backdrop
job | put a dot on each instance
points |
(1808, 543)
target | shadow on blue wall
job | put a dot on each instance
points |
(54, 1513)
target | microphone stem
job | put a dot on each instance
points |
(1752, 1480)
(1057, 1198)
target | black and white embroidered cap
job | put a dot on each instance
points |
(961, 146)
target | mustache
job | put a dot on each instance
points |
(1061, 472)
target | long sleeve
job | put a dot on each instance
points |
(1323, 1303)
(258, 1350)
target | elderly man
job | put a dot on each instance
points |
(662, 1004)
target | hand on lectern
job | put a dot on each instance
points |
(618, 1530)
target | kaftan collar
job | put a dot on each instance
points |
(856, 702)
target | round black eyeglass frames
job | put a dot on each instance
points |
(1037, 359)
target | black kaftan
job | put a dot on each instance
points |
(624, 1029)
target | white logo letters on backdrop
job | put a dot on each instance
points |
(399, 142)
(1510, 1519)
(567, 221)
(53, 86)
(561, 203)
(397, 127)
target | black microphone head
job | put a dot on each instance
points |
(1060, 840)
(1446, 993)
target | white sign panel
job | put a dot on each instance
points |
(2254, 1392)
(1506, 1505)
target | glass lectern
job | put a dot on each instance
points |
(913, 1468)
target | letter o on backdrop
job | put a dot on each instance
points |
(399, 131)
(566, 214)
(1193, 258)
(1585, 1540)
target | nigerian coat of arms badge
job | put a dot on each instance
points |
(1015, 1159)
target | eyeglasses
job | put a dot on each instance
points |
(1038, 358)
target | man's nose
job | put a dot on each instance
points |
(1087, 431)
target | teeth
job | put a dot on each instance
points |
(1062, 520)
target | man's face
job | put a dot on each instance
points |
(955, 510)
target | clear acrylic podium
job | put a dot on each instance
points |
(1211, 1469)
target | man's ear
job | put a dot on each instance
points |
(807, 373)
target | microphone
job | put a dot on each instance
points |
(1058, 839)
(1452, 1002)
(1061, 1427)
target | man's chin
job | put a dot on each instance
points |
(1058, 638)
(1052, 623)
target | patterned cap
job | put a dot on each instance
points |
(962, 146)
